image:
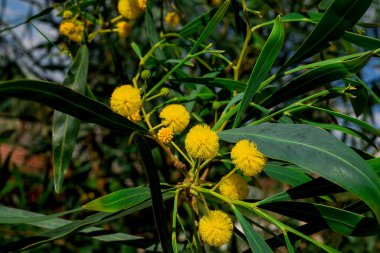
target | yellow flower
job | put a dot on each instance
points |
(124, 29)
(172, 18)
(216, 228)
(135, 117)
(234, 187)
(66, 27)
(165, 135)
(129, 8)
(248, 158)
(126, 101)
(216, 2)
(176, 117)
(67, 14)
(76, 34)
(201, 142)
(142, 4)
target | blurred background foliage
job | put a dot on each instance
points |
(103, 161)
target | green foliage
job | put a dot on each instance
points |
(246, 69)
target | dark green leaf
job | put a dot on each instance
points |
(316, 78)
(68, 101)
(316, 151)
(363, 41)
(256, 242)
(195, 25)
(263, 65)
(340, 16)
(151, 30)
(216, 82)
(119, 200)
(155, 191)
(337, 220)
(211, 25)
(65, 127)
(286, 174)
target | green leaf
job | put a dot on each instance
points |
(65, 127)
(195, 24)
(256, 243)
(338, 220)
(340, 16)
(68, 101)
(356, 121)
(262, 66)
(64, 229)
(363, 41)
(286, 174)
(211, 25)
(316, 151)
(153, 36)
(216, 82)
(38, 15)
(316, 78)
(342, 129)
(119, 200)
(155, 191)
(137, 50)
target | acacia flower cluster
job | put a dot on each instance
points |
(215, 228)
(72, 27)
(126, 101)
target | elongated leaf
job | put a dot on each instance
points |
(356, 121)
(65, 127)
(194, 25)
(65, 229)
(38, 15)
(216, 82)
(155, 191)
(68, 101)
(363, 41)
(256, 243)
(211, 25)
(337, 220)
(316, 187)
(262, 66)
(316, 78)
(316, 151)
(152, 31)
(119, 200)
(287, 175)
(340, 16)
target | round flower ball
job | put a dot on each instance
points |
(126, 101)
(215, 228)
(165, 135)
(202, 142)
(234, 187)
(176, 117)
(124, 29)
(129, 9)
(248, 158)
(172, 18)
(66, 27)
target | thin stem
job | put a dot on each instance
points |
(114, 20)
(224, 178)
(181, 152)
(242, 54)
(205, 203)
(174, 221)
(158, 126)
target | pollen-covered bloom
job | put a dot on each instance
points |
(129, 8)
(76, 34)
(202, 142)
(124, 29)
(248, 158)
(176, 117)
(135, 117)
(165, 135)
(126, 100)
(66, 27)
(234, 187)
(215, 228)
(142, 4)
(172, 18)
